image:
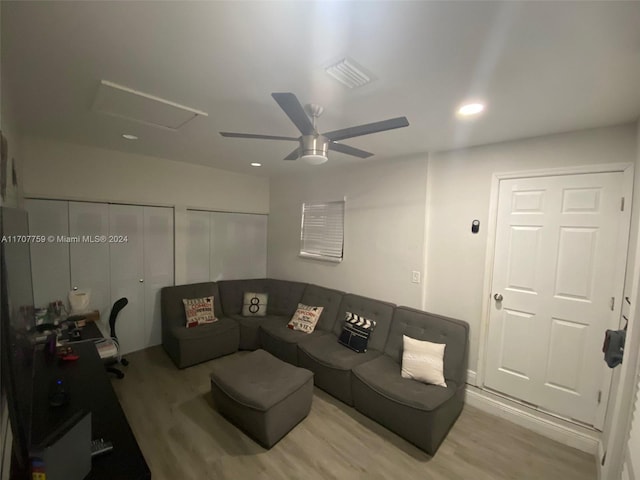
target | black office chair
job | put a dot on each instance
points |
(109, 348)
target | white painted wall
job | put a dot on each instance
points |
(384, 228)
(67, 171)
(13, 196)
(77, 172)
(459, 191)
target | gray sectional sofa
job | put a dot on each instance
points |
(188, 346)
(369, 381)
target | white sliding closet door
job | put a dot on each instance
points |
(158, 267)
(225, 246)
(115, 251)
(127, 273)
(198, 225)
(49, 259)
(90, 260)
(238, 247)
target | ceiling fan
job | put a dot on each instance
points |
(313, 146)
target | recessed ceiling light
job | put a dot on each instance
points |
(470, 109)
(256, 164)
(128, 136)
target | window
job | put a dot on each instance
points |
(322, 233)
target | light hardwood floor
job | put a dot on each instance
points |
(184, 438)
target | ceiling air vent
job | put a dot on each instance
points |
(349, 73)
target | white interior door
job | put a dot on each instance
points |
(158, 267)
(127, 273)
(554, 279)
(90, 260)
(49, 259)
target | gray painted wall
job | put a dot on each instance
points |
(384, 228)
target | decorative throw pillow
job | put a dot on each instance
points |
(305, 318)
(356, 331)
(199, 311)
(423, 361)
(255, 304)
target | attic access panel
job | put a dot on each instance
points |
(124, 102)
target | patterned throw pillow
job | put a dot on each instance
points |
(199, 311)
(356, 331)
(423, 361)
(255, 304)
(305, 319)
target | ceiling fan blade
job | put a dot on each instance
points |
(367, 128)
(292, 107)
(356, 152)
(293, 155)
(256, 136)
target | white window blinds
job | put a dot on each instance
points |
(322, 233)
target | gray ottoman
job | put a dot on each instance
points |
(262, 395)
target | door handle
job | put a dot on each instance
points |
(497, 297)
(75, 288)
(141, 280)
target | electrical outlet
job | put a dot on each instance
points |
(415, 276)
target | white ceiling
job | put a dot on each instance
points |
(542, 67)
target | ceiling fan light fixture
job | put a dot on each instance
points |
(314, 159)
(314, 149)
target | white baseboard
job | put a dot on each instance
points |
(551, 427)
(627, 468)
(599, 469)
(471, 378)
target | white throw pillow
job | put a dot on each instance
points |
(423, 361)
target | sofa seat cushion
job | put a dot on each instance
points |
(328, 352)
(250, 329)
(204, 330)
(276, 328)
(257, 321)
(383, 375)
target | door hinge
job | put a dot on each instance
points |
(599, 396)
(613, 303)
(622, 204)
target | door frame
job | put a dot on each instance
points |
(623, 240)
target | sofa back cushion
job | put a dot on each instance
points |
(317, 296)
(376, 310)
(172, 307)
(284, 297)
(432, 328)
(283, 300)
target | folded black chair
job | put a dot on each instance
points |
(109, 348)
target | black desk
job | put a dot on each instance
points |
(89, 332)
(90, 388)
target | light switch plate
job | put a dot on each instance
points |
(415, 276)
